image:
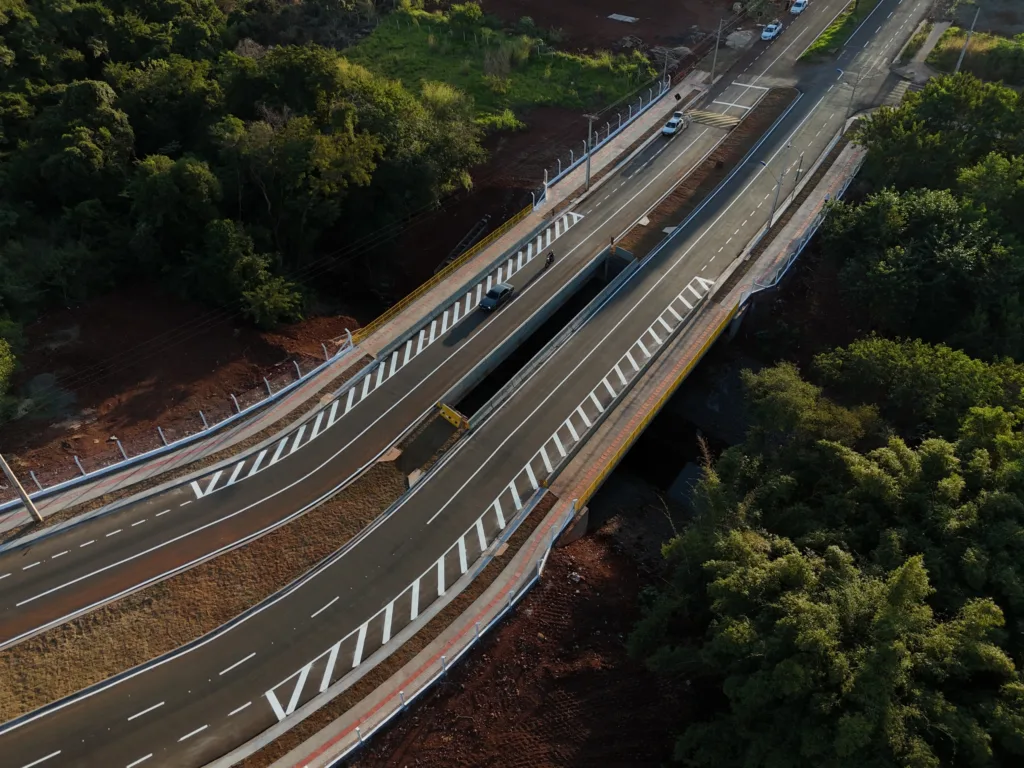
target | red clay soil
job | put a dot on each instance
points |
(586, 25)
(137, 359)
(553, 685)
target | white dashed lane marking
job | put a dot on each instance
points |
(145, 711)
(140, 761)
(91, 541)
(114, 533)
(321, 610)
(59, 554)
(237, 663)
(41, 760)
(31, 566)
(236, 711)
(193, 733)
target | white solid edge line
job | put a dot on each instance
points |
(345, 447)
(237, 664)
(287, 592)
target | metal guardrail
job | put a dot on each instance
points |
(367, 330)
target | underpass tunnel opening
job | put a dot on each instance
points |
(556, 315)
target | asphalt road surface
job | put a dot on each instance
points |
(198, 703)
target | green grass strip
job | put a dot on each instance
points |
(838, 32)
(990, 57)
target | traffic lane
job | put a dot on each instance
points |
(209, 511)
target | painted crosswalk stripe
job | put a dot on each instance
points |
(686, 304)
(480, 290)
(629, 356)
(621, 377)
(444, 322)
(367, 379)
(414, 610)
(597, 403)
(675, 314)
(316, 425)
(455, 312)
(519, 261)
(394, 363)
(333, 414)
(666, 325)
(463, 565)
(357, 657)
(408, 352)
(608, 387)
(558, 445)
(423, 338)
(643, 348)
(351, 398)
(515, 496)
(256, 464)
(693, 290)
(656, 337)
(433, 332)
(546, 460)
(298, 439)
(388, 613)
(530, 476)
(440, 576)
(583, 415)
(280, 448)
(572, 430)
(234, 474)
(501, 517)
(480, 537)
(381, 370)
(332, 659)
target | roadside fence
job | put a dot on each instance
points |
(42, 482)
(367, 330)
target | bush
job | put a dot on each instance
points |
(505, 120)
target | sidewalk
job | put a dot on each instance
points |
(565, 189)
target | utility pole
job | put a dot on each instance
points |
(778, 186)
(26, 500)
(714, 60)
(590, 138)
(967, 42)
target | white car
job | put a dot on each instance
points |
(771, 31)
(798, 7)
(675, 125)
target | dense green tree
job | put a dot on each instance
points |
(921, 389)
(857, 601)
(926, 264)
(952, 124)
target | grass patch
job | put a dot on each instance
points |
(990, 57)
(839, 31)
(914, 44)
(500, 70)
(505, 120)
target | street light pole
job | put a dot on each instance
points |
(25, 498)
(714, 60)
(590, 137)
(967, 42)
(778, 186)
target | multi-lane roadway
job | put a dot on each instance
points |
(195, 705)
